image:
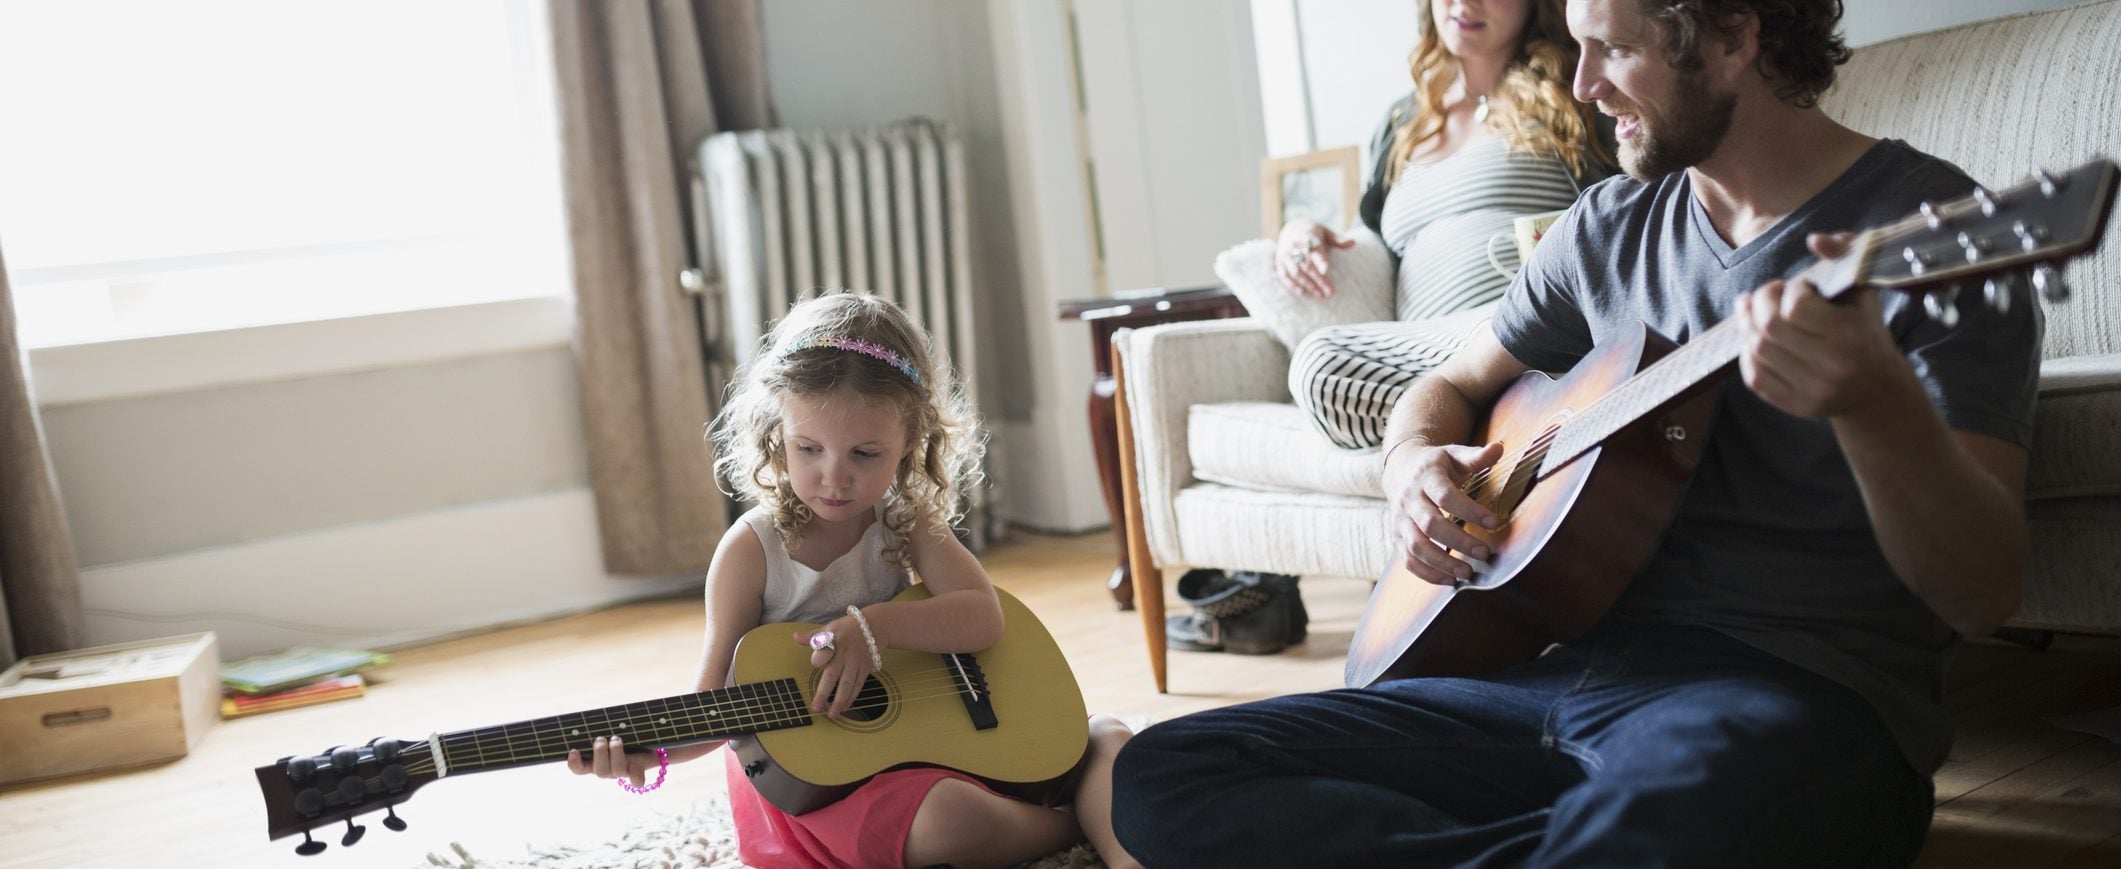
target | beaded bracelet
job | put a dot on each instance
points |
(662, 759)
(876, 658)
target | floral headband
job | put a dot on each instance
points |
(857, 345)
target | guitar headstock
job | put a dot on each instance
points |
(1990, 235)
(305, 792)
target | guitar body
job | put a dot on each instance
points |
(1570, 545)
(910, 716)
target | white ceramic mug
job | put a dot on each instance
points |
(1526, 230)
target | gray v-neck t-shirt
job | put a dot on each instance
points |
(1772, 544)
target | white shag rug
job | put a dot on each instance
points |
(698, 837)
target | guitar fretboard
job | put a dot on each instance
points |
(717, 714)
(1636, 397)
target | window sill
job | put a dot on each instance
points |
(137, 367)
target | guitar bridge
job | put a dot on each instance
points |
(971, 687)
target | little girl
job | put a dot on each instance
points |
(853, 439)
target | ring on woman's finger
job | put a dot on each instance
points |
(1312, 244)
(822, 641)
(1297, 258)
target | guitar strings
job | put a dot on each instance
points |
(1536, 451)
(791, 709)
(543, 750)
(763, 710)
(1871, 243)
(909, 690)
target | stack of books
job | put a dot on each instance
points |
(300, 676)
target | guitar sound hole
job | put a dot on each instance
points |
(871, 703)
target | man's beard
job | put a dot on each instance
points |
(1690, 126)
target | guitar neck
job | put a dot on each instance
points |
(1693, 364)
(717, 714)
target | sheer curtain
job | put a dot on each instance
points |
(40, 586)
(640, 83)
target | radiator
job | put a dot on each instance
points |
(781, 215)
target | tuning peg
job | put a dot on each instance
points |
(1975, 246)
(385, 747)
(1917, 261)
(1943, 307)
(309, 847)
(1988, 199)
(1998, 294)
(2050, 186)
(2048, 280)
(391, 819)
(354, 832)
(344, 758)
(2029, 235)
(299, 769)
(309, 801)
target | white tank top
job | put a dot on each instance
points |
(795, 592)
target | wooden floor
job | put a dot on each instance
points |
(2017, 792)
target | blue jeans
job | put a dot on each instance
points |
(1637, 746)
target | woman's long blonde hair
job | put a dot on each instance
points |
(1531, 108)
(943, 444)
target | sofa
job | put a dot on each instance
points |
(1227, 473)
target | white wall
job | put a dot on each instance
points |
(1172, 119)
(1170, 128)
(1356, 57)
(1035, 82)
(344, 502)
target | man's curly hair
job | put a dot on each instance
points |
(1799, 47)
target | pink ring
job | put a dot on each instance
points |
(822, 640)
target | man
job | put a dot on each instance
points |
(1767, 690)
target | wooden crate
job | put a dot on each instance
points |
(107, 707)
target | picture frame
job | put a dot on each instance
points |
(1324, 185)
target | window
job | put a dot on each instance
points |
(212, 164)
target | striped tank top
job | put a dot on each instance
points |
(1439, 218)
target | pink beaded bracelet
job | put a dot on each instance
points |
(662, 759)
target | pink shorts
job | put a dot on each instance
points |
(866, 829)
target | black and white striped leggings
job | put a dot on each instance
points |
(1347, 378)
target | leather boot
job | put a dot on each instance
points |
(1299, 618)
(1240, 613)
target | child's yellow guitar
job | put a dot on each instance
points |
(1011, 716)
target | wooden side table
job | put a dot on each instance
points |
(1105, 316)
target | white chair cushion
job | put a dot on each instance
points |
(1272, 447)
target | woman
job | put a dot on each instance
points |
(1489, 133)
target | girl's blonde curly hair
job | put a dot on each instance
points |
(943, 442)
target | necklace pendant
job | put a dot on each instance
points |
(1480, 112)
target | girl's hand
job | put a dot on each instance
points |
(843, 666)
(1300, 257)
(608, 759)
